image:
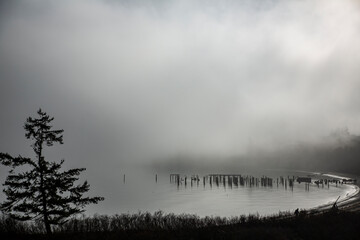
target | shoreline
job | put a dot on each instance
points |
(350, 203)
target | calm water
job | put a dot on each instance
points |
(141, 192)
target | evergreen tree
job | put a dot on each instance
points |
(41, 190)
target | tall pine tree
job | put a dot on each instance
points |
(41, 190)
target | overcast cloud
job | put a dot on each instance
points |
(134, 82)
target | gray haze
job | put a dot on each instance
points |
(133, 82)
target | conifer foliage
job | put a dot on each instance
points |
(40, 190)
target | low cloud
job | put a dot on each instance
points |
(136, 81)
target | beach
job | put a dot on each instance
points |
(350, 202)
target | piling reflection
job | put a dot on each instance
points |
(237, 180)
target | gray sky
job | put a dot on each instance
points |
(135, 82)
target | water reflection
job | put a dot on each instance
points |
(263, 192)
(238, 180)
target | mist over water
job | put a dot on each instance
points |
(143, 191)
(184, 86)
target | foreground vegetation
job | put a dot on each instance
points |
(328, 225)
(37, 188)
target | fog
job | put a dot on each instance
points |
(138, 82)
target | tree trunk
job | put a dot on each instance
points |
(43, 192)
(47, 225)
(45, 211)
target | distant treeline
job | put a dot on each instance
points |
(330, 225)
(340, 155)
(338, 152)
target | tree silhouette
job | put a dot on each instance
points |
(40, 190)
